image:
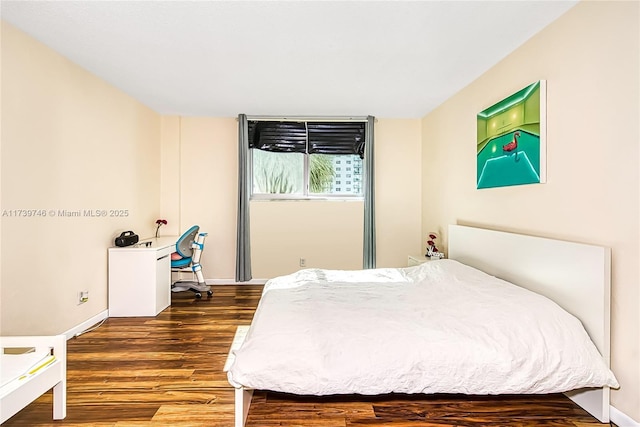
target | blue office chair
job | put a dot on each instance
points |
(186, 258)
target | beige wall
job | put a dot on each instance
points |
(590, 59)
(328, 234)
(199, 178)
(398, 183)
(69, 142)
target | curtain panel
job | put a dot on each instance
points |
(243, 242)
(369, 249)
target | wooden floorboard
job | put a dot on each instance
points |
(168, 371)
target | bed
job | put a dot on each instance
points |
(450, 326)
(31, 366)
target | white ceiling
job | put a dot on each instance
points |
(220, 58)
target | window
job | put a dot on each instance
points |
(301, 159)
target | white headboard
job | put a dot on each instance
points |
(574, 275)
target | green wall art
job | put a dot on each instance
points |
(511, 141)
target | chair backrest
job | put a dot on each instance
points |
(184, 245)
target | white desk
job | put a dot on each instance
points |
(140, 277)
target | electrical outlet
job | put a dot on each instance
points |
(303, 262)
(83, 296)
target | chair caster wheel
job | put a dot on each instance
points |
(198, 295)
(209, 293)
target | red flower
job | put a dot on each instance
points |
(431, 243)
(160, 223)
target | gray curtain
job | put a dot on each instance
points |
(243, 244)
(369, 250)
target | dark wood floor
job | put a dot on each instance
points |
(168, 370)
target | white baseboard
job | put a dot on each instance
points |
(621, 419)
(233, 282)
(86, 324)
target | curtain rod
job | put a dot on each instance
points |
(309, 118)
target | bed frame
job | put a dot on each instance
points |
(576, 276)
(15, 396)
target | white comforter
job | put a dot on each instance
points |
(441, 327)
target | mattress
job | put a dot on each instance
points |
(440, 327)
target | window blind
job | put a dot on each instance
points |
(336, 138)
(282, 137)
(308, 137)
